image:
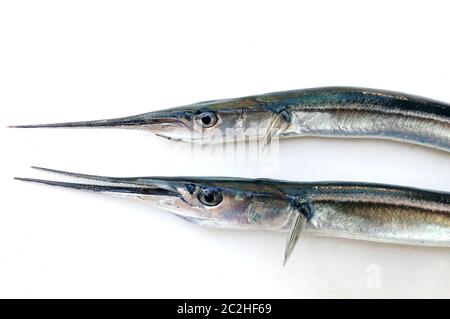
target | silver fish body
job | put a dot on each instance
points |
(381, 213)
(373, 212)
(365, 113)
(325, 112)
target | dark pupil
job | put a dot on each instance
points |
(209, 198)
(206, 119)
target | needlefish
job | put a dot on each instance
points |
(361, 211)
(321, 112)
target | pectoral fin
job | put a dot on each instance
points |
(303, 212)
(279, 123)
(297, 228)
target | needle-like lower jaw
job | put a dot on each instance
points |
(132, 190)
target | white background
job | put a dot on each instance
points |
(80, 60)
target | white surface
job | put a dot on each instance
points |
(67, 61)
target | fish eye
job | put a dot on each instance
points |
(206, 119)
(210, 196)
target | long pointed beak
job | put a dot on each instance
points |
(137, 121)
(115, 185)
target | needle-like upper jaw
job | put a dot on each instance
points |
(142, 121)
(112, 185)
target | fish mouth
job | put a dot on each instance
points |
(139, 187)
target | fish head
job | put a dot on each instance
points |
(227, 203)
(218, 202)
(218, 121)
(215, 121)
